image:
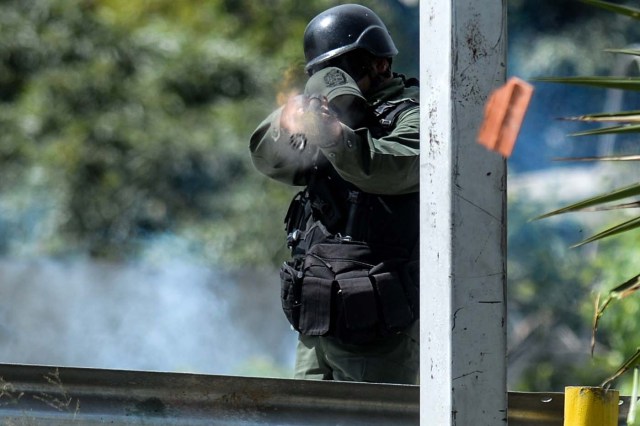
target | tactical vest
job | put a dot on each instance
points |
(354, 268)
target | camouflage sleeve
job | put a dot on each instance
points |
(388, 165)
(273, 155)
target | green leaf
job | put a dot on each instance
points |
(632, 205)
(625, 83)
(629, 128)
(632, 52)
(620, 292)
(626, 289)
(623, 10)
(598, 312)
(602, 158)
(614, 230)
(621, 116)
(630, 363)
(618, 194)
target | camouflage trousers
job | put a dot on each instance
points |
(394, 359)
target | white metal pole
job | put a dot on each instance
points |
(463, 216)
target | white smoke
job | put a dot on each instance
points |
(176, 317)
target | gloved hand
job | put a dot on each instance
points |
(332, 83)
(309, 121)
(343, 95)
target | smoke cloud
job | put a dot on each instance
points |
(176, 317)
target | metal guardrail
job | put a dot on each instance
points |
(547, 409)
(40, 395)
(56, 396)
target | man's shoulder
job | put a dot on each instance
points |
(411, 89)
(408, 88)
(411, 92)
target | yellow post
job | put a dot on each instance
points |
(590, 406)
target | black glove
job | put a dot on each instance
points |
(343, 95)
(309, 121)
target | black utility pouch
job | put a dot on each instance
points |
(349, 291)
(315, 312)
(356, 313)
(290, 293)
(394, 305)
(350, 314)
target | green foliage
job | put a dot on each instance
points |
(624, 83)
(552, 290)
(547, 300)
(627, 120)
(623, 10)
(126, 125)
(123, 127)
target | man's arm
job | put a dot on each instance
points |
(388, 165)
(272, 152)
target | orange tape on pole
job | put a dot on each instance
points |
(503, 116)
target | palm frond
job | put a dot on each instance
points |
(620, 292)
(630, 363)
(632, 52)
(626, 289)
(629, 128)
(600, 158)
(609, 232)
(625, 83)
(620, 117)
(632, 205)
(618, 194)
(623, 10)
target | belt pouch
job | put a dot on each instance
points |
(394, 304)
(290, 285)
(358, 303)
(315, 312)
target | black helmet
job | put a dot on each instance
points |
(344, 28)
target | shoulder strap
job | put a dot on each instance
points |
(387, 113)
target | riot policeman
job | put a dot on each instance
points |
(351, 141)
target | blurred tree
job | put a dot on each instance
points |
(560, 37)
(127, 122)
(552, 292)
(548, 335)
(120, 124)
(551, 37)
